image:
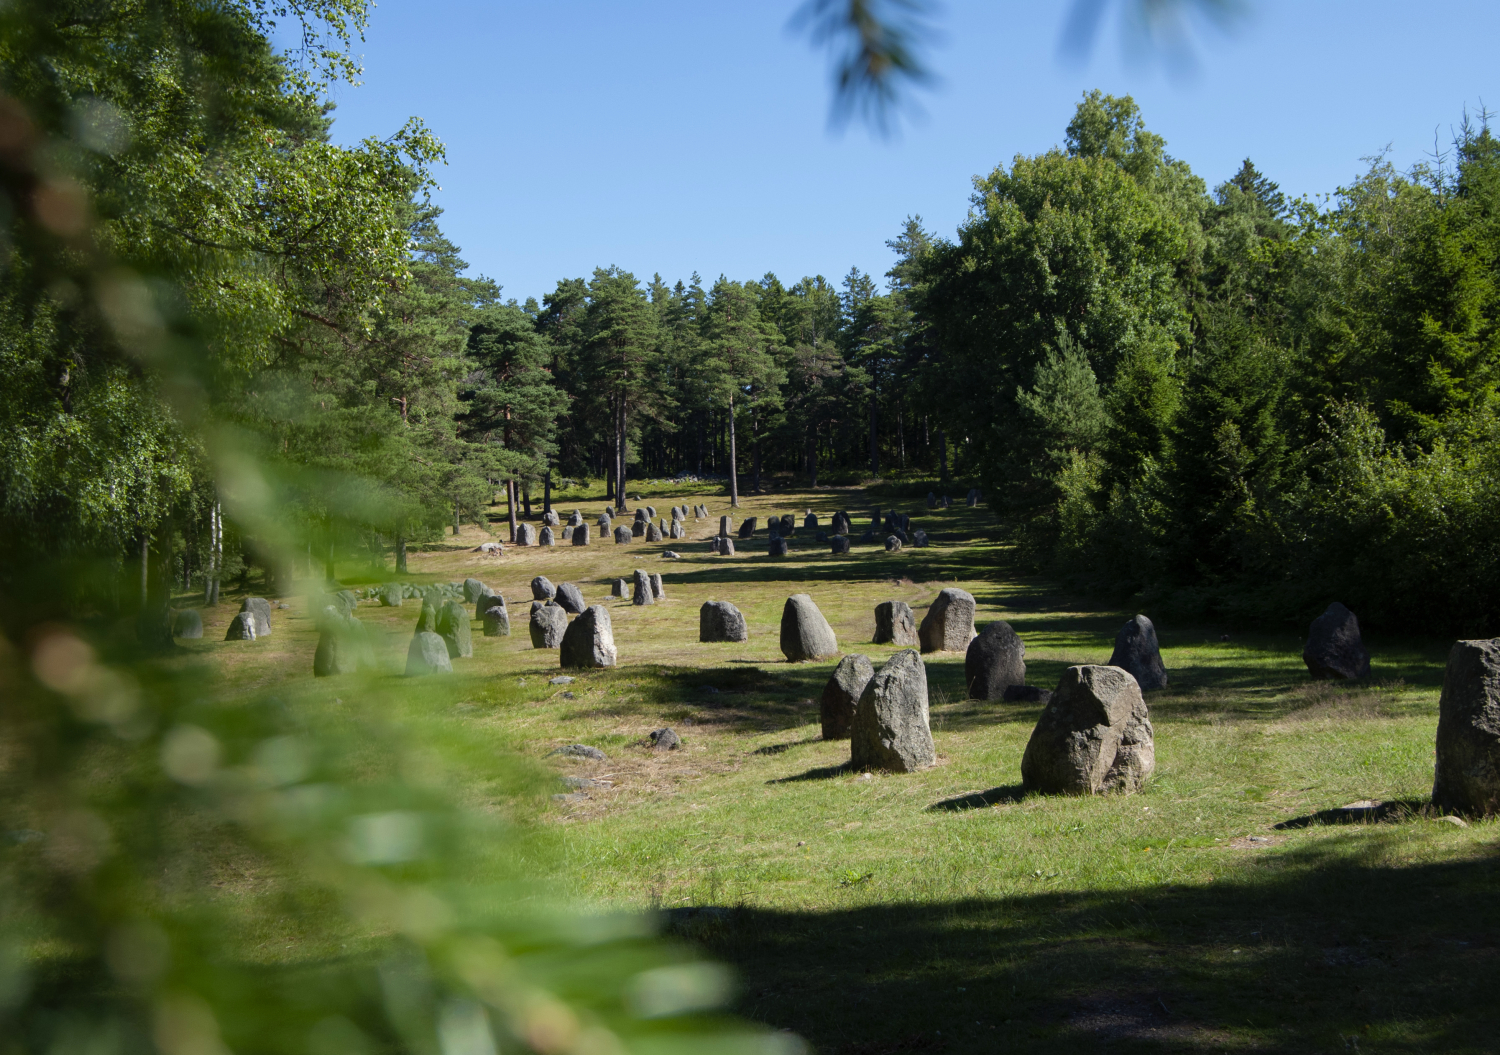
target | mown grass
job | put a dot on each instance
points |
(1224, 908)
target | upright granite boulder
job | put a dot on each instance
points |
(453, 628)
(777, 547)
(551, 519)
(1094, 736)
(805, 634)
(638, 528)
(487, 601)
(569, 598)
(839, 545)
(640, 593)
(427, 655)
(721, 621)
(658, 588)
(994, 662)
(581, 535)
(895, 624)
(890, 729)
(427, 618)
(545, 537)
(1467, 779)
(542, 589)
(188, 623)
(810, 522)
(841, 525)
(653, 533)
(1334, 647)
(948, 625)
(391, 595)
(747, 527)
(892, 544)
(474, 590)
(241, 627)
(605, 523)
(260, 610)
(1137, 652)
(548, 624)
(788, 526)
(726, 546)
(589, 641)
(525, 534)
(343, 647)
(724, 526)
(622, 535)
(496, 622)
(841, 695)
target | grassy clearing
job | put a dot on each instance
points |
(1222, 909)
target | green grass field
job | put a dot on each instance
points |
(1222, 909)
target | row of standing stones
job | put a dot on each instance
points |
(645, 526)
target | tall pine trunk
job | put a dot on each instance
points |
(455, 514)
(547, 491)
(943, 455)
(874, 434)
(510, 506)
(734, 462)
(755, 440)
(401, 554)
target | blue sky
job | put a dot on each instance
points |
(678, 136)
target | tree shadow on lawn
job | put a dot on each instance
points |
(1305, 951)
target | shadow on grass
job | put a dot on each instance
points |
(980, 799)
(1370, 812)
(821, 773)
(776, 749)
(1309, 951)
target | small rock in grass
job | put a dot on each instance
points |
(665, 740)
(561, 679)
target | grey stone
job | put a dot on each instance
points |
(581, 535)
(805, 634)
(342, 645)
(671, 555)
(622, 535)
(658, 589)
(619, 588)
(726, 546)
(839, 544)
(486, 602)
(259, 609)
(567, 532)
(747, 527)
(1467, 778)
(496, 622)
(919, 538)
(841, 524)
(1334, 647)
(589, 641)
(677, 531)
(548, 624)
(593, 754)
(1094, 736)
(542, 588)
(427, 655)
(653, 533)
(724, 526)
(665, 740)
(575, 519)
(544, 537)
(994, 662)
(187, 623)
(550, 518)
(427, 618)
(810, 522)
(609, 511)
(638, 529)
(640, 593)
(525, 534)
(788, 526)
(890, 729)
(931, 500)
(651, 512)
(569, 598)
(949, 623)
(946, 503)
(867, 537)
(841, 695)
(241, 628)
(895, 624)
(605, 522)
(892, 544)
(1137, 652)
(391, 595)
(453, 628)
(474, 590)
(777, 547)
(721, 621)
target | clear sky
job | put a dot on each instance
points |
(676, 136)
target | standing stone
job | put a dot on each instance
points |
(747, 527)
(567, 532)
(605, 523)
(1334, 648)
(721, 621)
(542, 589)
(931, 500)
(622, 535)
(1094, 736)
(342, 648)
(919, 538)
(641, 589)
(810, 523)
(890, 729)
(637, 529)
(241, 628)
(260, 610)
(496, 622)
(550, 519)
(651, 512)
(453, 628)
(427, 618)
(427, 655)
(1467, 779)
(474, 590)
(575, 519)
(946, 503)
(677, 530)
(892, 544)
(609, 511)
(391, 595)
(895, 624)
(778, 546)
(187, 623)
(805, 634)
(581, 535)
(544, 537)
(641, 515)
(619, 588)
(724, 527)
(994, 662)
(973, 497)
(788, 526)
(1137, 652)
(658, 590)
(569, 598)
(548, 623)
(488, 601)
(839, 544)
(726, 546)
(949, 623)
(653, 533)
(525, 534)
(841, 524)
(841, 695)
(589, 641)
(677, 513)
